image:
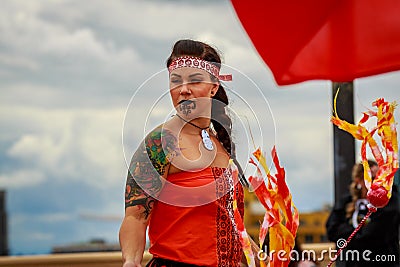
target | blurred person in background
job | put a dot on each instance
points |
(377, 242)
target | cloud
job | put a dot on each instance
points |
(21, 178)
(32, 147)
(47, 49)
(54, 218)
(18, 62)
(68, 144)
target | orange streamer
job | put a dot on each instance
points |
(281, 218)
(379, 189)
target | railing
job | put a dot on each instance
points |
(105, 259)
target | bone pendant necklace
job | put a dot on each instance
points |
(204, 134)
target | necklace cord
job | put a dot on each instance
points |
(205, 128)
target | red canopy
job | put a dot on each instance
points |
(339, 40)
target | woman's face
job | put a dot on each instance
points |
(360, 180)
(191, 91)
(374, 171)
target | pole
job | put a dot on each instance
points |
(343, 142)
(3, 225)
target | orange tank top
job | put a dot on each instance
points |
(193, 222)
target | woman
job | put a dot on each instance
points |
(377, 242)
(178, 183)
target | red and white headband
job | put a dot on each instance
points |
(195, 62)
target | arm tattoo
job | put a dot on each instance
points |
(144, 181)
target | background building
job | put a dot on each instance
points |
(94, 245)
(312, 227)
(3, 225)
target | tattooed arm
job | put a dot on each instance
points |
(144, 182)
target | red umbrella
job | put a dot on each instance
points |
(338, 40)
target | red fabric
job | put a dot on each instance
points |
(339, 40)
(203, 235)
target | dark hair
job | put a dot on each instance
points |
(358, 169)
(357, 172)
(220, 120)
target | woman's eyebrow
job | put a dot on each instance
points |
(195, 74)
(190, 76)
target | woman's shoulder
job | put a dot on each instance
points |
(162, 141)
(159, 132)
(164, 130)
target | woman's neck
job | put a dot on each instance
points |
(194, 126)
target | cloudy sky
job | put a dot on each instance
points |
(76, 76)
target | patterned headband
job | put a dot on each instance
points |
(195, 62)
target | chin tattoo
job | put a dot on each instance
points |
(186, 107)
